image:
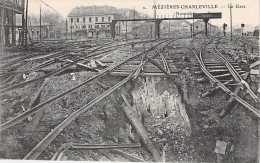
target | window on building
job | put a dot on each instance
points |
(103, 19)
(102, 25)
(71, 27)
(108, 26)
(97, 26)
(83, 19)
(90, 26)
(77, 20)
(71, 20)
(83, 26)
(109, 18)
(89, 19)
(96, 19)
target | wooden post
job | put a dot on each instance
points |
(126, 30)
(40, 23)
(13, 24)
(26, 24)
(193, 25)
(2, 28)
(139, 128)
(23, 24)
(66, 29)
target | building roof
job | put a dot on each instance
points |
(93, 10)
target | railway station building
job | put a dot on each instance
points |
(92, 21)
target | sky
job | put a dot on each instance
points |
(248, 12)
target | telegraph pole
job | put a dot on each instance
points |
(134, 23)
(26, 26)
(169, 27)
(126, 29)
(193, 25)
(154, 14)
(66, 28)
(40, 23)
(2, 27)
(230, 6)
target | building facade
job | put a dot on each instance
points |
(47, 31)
(93, 21)
(10, 10)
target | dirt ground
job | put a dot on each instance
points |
(178, 120)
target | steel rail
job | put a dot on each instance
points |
(5, 90)
(235, 74)
(102, 146)
(36, 68)
(42, 105)
(223, 87)
(36, 151)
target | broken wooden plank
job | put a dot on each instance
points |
(231, 99)
(102, 146)
(140, 129)
(254, 72)
(37, 150)
(254, 64)
(100, 63)
(35, 101)
(93, 64)
(214, 89)
(127, 156)
(80, 64)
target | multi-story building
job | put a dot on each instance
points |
(10, 10)
(93, 21)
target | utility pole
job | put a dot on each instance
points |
(40, 23)
(193, 25)
(126, 30)
(154, 14)
(134, 22)
(23, 24)
(230, 6)
(2, 28)
(210, 27)
(66, 29)
(169, 29)
(26, 26)
(13, 23)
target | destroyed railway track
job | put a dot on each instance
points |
(38, 149)
(71, 51)
(50, 59)
(219, 60)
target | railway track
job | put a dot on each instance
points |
(47, 60)
(209, 58)
(144, 57)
